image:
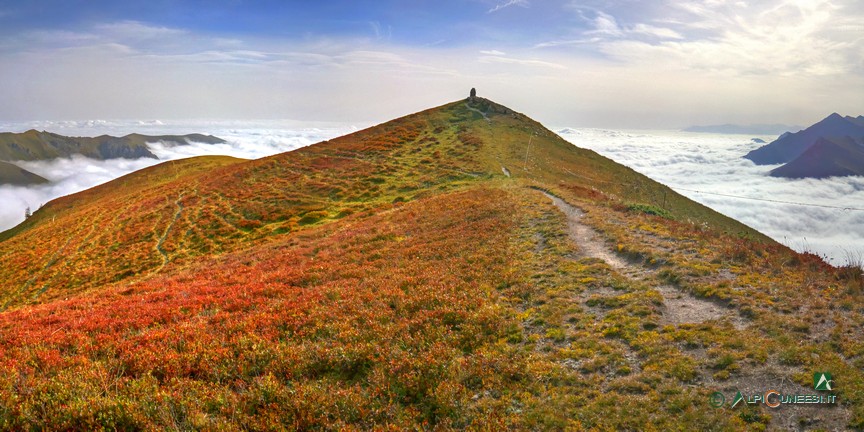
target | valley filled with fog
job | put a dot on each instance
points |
(709, 169)
(697, 165)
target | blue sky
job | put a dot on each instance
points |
(615, 63)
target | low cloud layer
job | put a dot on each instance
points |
(70, 175)
(710, 163)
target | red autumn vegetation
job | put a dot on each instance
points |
(397, 279)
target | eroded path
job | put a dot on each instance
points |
(478, 112)
(679, 307)
(164, 235)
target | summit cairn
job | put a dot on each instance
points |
(473, 94)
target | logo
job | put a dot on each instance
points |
(773, 398)
(717, 399)
(822, 381)
(738, 398)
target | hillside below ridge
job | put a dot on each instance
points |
(413, 274)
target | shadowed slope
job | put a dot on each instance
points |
(827, 157)
(13, 175)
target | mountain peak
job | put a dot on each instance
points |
(827, 157)
(790, 146)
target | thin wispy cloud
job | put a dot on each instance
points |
(136, 30)
(777, 37)
(658, 32)
(381, 31)
(517, 61)
(605, 24)
(501, 6)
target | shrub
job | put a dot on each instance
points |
(650, 210)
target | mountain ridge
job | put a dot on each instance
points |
(827, 157)
(34, 145)
(412, 275)
(790, 146)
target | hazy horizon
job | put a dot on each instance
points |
(611, 64)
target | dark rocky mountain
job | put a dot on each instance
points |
(35, 145)
(790, 146)
(827, 157)
(14, 175)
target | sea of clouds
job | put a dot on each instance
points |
(248, 140)
(696, 164)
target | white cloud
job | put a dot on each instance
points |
(776, 37)
(381, 31)
(605, 24)
(522, 62)
(138, 30)
(508, 3)
(660, 32)
(493, 52)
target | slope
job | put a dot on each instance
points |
(14, 175)
(412, 276)
(790, 146)
(827, 157)
(147, 220)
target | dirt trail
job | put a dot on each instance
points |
(679, 307)
(478, 111)
(164, 236)
(585, 237)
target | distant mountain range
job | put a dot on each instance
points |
(754, 129)
(34, 145)
(831, 147)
